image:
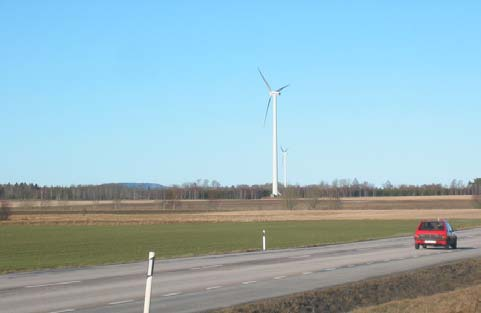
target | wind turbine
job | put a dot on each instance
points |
(284, 162)
(273, 96)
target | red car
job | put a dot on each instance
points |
(435, 233)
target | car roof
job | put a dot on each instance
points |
(434, 220)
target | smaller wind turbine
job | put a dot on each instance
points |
(284, 162)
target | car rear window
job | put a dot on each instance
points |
(431, 226)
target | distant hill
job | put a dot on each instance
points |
(143, 186)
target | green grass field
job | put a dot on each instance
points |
(28, 247)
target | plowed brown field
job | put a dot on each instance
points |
(156, 211)
(242, 216)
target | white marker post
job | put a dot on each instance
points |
(263, 240)
(148, 287)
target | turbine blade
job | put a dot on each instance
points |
(267, 110)
(279, 90)
(265, 80)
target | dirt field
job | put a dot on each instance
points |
(52, 203)
(416, 284)
(242, 216)
(157, 212)
(158, 206)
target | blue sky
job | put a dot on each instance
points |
(168, 91)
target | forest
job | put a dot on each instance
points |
(205, 189)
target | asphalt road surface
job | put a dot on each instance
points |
(202, 283)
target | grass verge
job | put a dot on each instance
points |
(29, 247)
(405, 292)
(464, 300)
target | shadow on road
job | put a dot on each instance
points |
(442, 248)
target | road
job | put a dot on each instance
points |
(202, 283)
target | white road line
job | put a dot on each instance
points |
(212, 266)
(171, 294)
(54, 284)
(213, 287)
(300, 256)
(279, 277)
(195, 268)
(306, 273)
(369, 263)
(121, 302)
(63, 311)
(330, 269)
(350, 265)
(249, 282)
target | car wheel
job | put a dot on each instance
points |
(455, 244)
(416, 246)
(424, 246)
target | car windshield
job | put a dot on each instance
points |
(431, 226)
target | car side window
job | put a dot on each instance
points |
(450, 230)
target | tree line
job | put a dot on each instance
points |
(205, 189)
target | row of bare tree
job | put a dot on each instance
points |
(204, 189)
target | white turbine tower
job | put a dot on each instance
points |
(273, 96)
(284, 162)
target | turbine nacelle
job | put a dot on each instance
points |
(272, 93)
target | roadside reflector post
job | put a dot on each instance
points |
(263, 240)
(148, 286)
